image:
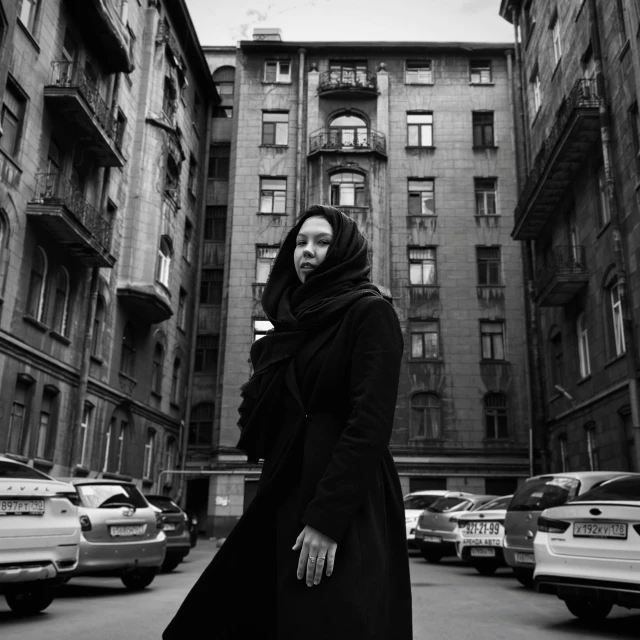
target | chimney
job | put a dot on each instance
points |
(267, 33)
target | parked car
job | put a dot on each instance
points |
(588, 551)
(175, 524)
(480, 534)
(529, 501)
(121, 533)
(39, 536)
(435, 532)
(193, 527)
(414, 504)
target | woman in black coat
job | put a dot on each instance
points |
(321, 551)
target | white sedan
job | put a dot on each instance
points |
(587, 551)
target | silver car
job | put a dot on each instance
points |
(121, 532)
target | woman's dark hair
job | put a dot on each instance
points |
(323, 211)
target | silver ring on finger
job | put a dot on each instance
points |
(321, 558)
(312, 559)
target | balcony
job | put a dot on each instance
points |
(574, 132)
(348, 84)
(165, 37)
(66, 217)
(350, 140)
(563, 275)
(147, 302)
(103, 21)
(75, 97)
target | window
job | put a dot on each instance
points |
(149, 450)
(563, 454)
(201, 424)
(536, 90)
(27, 12)
(171, 453)
(418, 72)
(425, 339)
(193, 172)
(260, 328)
(211, 286)
(169, 99)
(556, 358)
(275, 128)
(555, 37)
(163, 269)
(422, 198)
(219, 161)
(46, 425)
(496, 420)
(273, 195)
(187, 240)
(128, 351)
(604, 213)
(480, 71)
(224, 78)
(120, 128)
(486, 195)
(222, 112)
(206, 353)
(422, 266)
(156, 369)
(12, 119)
(347, 189)
(120, 446)
(583, 346)
(37, 284)
(425, 416)
(483, 129)
(85, 426)
(592, 447)
(62, 302)
(175, 381)
(172, 177)
(264, 261)
(352, 73)
(215, 224)
(98, 327)
(18, 437)
(277, 71)
(182, 309)
(489, 271)
(108, 437)
(617, 322)
(348, 131)
(420, 129)
(492, 340)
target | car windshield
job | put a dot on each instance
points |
(620, 489)
(419, 502)
(105, 496)
(498, 503)
(543, 493)
(164, 503)
(14, 470)
(445, 505)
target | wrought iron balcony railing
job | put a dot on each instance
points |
(71, 75)
(563, 274)
(57, 189)
(348, 139)
(348, 79)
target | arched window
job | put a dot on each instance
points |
(165, 253)
(614, 317)
(347, 189)
(201, 425)
(156, 369)
(98, 328)
(175, 381)
(348, 131)
(128, 351)
(224, 78)
(46, 435)
(425, 416)
(496, 417)
(583, 346)
(556, 357)
(37, 284)
(62, 302)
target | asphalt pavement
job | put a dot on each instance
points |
(450, 600)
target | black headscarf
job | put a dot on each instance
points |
(297, 311)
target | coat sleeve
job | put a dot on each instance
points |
(375, 371)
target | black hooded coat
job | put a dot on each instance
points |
(319, 409)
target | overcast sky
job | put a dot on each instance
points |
(221, 22)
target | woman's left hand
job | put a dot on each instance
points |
(314, 544)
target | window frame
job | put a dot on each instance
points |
(280, 77)
(206, 353)
(420, 130)
(339, 189)
(430, 349)
(176, 374)
(582, 334)
(40, 300)
(265, 262)
(202, 420)
(413, 191)
(260, 327)
(85, 426)
(496, 412)
(482, 189)
(502, 333)
(476, 66)
(157, 367)
(425, 65)
(30, 23)
(487, 263)
(211, 287)
(149, 455)
(429, 412)
(603, 208)
(554, 27)
(275, 197)
(165, 258)
(429, 260)
(283, 131)
(62, 307)
(219, 162)
(16, 93)
(617, 317)
(481, 139)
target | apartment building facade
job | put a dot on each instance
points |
(577, 216)
(105, 123)
(416, 142)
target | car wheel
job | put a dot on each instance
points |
(30, 601)
(432, 557)
(138, 579)
(588, 609)
(524, 576)
(169, 565)
(485, 568)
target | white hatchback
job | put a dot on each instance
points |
(587, 551)
(39, 536)
(415, 503)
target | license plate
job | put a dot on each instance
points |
(525, 558)
(487, 552)
(600, 530)
(133, 530)
(483, 542)
(482, 529)
(168, 526)
(21, 507)
(432, 539)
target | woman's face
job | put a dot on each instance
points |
(312, 243)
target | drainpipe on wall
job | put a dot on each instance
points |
(620, 261)
(301, 132)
